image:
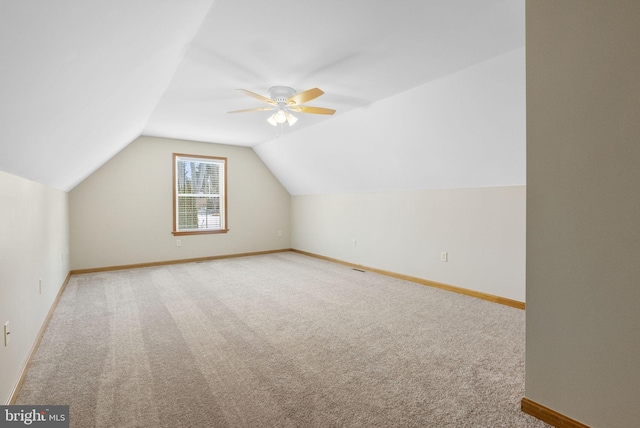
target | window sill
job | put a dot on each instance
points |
(199, 232)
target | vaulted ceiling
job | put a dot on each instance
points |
(80, 80)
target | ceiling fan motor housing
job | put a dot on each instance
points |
(281, 94)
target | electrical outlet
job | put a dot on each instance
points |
(279, 233)
(444, 256)
(178, 243)
(354, 242)
(6, 334)
(40, 287)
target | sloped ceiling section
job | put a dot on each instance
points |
(357, 51)
(464, 130)
(79, 79)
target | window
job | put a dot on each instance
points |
(199, 194)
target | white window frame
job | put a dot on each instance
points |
(206, 222)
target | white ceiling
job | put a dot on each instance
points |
(80, 80)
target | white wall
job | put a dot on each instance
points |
(34, 246)
(463, 130)
(122, 214)
(482, 229)
(583, 209)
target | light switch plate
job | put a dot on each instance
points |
(6, 333)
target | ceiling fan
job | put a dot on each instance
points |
(285, 100)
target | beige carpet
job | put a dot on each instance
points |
(280, 340)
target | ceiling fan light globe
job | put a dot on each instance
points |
(280, 116)
(272, 120)
(291, 119)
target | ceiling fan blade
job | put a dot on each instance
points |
(312, 110)
(305, 96)
(259, 97)
(252, 109)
